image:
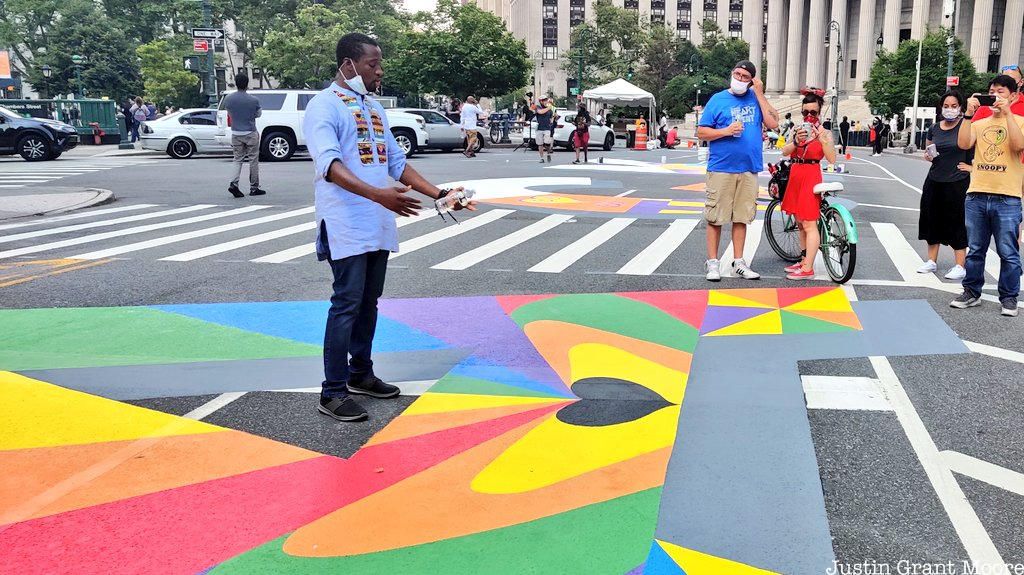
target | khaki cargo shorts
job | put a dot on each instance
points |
(730, 198)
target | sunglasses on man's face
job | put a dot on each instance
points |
(814, 113)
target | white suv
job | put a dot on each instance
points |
(280, 125)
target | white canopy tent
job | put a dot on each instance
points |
(619, 92)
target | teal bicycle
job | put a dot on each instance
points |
(835, 225)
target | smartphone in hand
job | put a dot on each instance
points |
(986, 99)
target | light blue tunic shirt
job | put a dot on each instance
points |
(342, 125)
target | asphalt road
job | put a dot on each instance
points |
(877, 470)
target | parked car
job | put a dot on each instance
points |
(183, 133)
(280, 125)
(444, 134)
(600, 136)
(35, 139)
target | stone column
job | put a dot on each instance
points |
(817, 19)
(839, 15)
(776, 46)
(890, 27)
(753, 31)
(794, 46)
(981, 33)
(865, 42)
(696, 18)
(919, 19)
(723, 16)
(1013, 23)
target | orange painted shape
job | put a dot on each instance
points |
(844, 318)
(49, 480)
(405, 426)
(511, 303)
(698, 187)
(575, 203)
(554, 339)
(764, 296)
(438, 503)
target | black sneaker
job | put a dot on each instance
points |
(341, 408)
(1009, 307)
(257, 192)
(374, 387)
(234, 191)
(965, 300)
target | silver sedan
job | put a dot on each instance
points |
(183, 134)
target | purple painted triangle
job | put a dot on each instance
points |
(479, 324)
(717, 317)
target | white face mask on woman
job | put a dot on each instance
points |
(951, 113)
(738, 87)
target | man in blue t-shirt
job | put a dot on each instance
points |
(731, 123)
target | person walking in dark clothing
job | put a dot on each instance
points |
(243, 109)
(844, 134)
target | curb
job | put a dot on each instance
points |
(101, 197)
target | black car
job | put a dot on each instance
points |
(35, 139)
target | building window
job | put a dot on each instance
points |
(577, 12)
(550, 52)
(904, 34)
(550, 35)
(711, 4)
(735, 5)
(683, 33)
(550, 12)
(683, 16)
(733, 33)
(711, 15)
(684, 5)
(632, 4)
(853, 69)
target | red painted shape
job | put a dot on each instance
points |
(686, 306)
(511, 303)
(790, 296)
(192, 528)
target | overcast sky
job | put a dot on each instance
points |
(417, 5)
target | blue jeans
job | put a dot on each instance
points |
(352, 320)
(988, 217)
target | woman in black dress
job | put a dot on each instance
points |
(945, 188)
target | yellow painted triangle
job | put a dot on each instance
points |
(765, 324)
(726, 298)
(39, 414)
(832, 300)
(442, 402)
(765, 296)
(697, 563)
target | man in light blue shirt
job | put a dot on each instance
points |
(357, 162)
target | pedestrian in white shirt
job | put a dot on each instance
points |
(470, 115)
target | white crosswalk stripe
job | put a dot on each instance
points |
(240, 243)
(491, 249)
(574, 252)
(429, 239)
(76, 216)
(650, 259)
(102, 223)
(17, 174)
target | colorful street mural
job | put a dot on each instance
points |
(543, 449)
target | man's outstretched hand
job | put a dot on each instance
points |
(396, 199)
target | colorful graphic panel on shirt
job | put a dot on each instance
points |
(366, 140)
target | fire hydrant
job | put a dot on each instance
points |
(97, 133)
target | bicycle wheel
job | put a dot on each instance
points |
(783, 232)
(495, 134)
(839, 254)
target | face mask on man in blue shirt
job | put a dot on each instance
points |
(356, 83)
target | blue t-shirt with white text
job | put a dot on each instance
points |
(734, 154)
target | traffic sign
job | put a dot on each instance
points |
(574, 91)
(208, 33)
(201, 45)
(952, 80)
(190, 63)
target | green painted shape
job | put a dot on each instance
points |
(612, 313)
(609, 537)
(795, 323)
(461, 384)
(98, 337)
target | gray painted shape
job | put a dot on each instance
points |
(743, 481)
(215, 377)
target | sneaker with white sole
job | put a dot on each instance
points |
(965, 300)
(956, 273)
(1009, 307)
(928, 267)
(742, 270)
(713, 272)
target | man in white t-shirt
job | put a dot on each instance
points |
(469, 115)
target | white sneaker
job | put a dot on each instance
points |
(742, 270)
(714, 274)
(956, 273)
(928, 267)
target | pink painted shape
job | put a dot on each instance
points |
(686, 306)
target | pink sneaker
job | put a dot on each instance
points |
(793, 268)
(801, 275)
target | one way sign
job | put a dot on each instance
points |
(190, 63)
(208, 33)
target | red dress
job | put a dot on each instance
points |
(800, 199)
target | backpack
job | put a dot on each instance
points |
(140, 114)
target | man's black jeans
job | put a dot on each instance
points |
(352, 319)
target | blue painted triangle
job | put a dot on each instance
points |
(659, 563)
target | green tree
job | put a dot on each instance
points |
(710, 71)
(890, 85)
(300, 54)
(462, 51)
(659, 60)
(166, 82)
(614, 41)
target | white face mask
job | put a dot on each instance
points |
(951, 113)
(738, 87)
(356, 83)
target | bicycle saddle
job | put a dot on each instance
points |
(828, 188)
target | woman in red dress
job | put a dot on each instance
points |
(810, 144)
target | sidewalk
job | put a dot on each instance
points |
(89, 151)
(53, 200)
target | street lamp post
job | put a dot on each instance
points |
(47, 72)
(78, 61)
(692, 68)
(912, 144)
(833, 25)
